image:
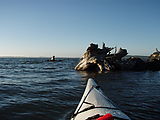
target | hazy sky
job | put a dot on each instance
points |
(65, 28)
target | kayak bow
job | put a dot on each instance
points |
(94, 104)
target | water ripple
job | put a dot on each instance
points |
(34, 89)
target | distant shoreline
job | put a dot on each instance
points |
(32, 57)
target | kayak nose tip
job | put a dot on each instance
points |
(90, 79)
(92, 82)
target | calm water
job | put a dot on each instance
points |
(33, 89)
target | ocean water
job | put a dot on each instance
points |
(34, 89)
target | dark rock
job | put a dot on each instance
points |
(153, 65)
(135, 63)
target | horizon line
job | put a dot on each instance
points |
(10, 56)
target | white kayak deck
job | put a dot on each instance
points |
(94, 102)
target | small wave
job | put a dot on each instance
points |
(31, 62)
(2, 76)
(49, 68)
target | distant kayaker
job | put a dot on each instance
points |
(52, 58)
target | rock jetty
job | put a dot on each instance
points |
(101, 60)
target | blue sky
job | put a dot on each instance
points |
(65, 28)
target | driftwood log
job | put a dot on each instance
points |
(97, 59)
(153, 62)
(101, 59)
